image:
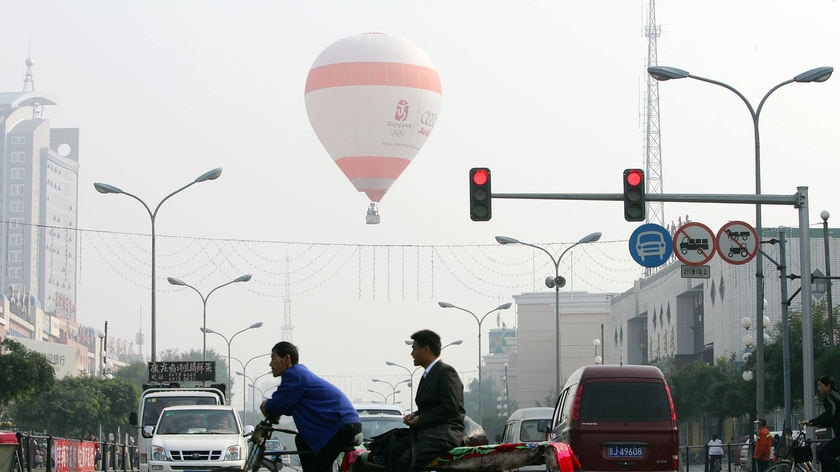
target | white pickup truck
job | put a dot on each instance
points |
(197, 438)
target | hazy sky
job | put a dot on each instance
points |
(548, 94)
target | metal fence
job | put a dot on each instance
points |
(737, 458)
(52, 454)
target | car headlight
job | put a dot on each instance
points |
(158, 453)
(234, 453)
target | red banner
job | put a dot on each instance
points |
(74, 456)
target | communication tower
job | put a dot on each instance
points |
(653, 152)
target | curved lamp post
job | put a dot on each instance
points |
(393, 387)
(174, 281)
(820, 74)
(384, 398)
(410, 376)
(106, 188)
(228, 341)
(244, 393)
(456, 342)
(555, 283)
(503, 306)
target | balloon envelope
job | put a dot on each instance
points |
(373, 100)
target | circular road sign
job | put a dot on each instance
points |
(651, 245)
(737, 242)
(694, 244)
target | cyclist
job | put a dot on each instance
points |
(715, 453)
(827, 452)
(327, 422)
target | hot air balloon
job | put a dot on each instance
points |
(373, 100)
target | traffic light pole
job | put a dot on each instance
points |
(799, 200)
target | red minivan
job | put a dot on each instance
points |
(618, 418)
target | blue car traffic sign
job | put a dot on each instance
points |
(651, 245)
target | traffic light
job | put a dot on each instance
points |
(480, 194)
(634, 194)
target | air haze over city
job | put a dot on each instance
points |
(549, 95)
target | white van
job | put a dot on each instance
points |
(528, 425)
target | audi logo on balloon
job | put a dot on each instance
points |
(428, 118)
(398, 132)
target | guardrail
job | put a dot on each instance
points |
(52, 454)
(696, 458)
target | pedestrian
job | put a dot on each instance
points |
(438, 423)
(326, 420)
(715, 453)
(827, 452)
(763, 443)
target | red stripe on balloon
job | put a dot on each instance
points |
(373, 73)
(372, 167)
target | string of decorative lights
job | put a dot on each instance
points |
(480, 269)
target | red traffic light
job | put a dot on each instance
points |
(634, 177)
(480, 176)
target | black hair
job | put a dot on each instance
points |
(827, 380)
(428, 338)
(284, 348)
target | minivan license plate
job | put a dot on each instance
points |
(624, 451)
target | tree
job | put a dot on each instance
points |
(78, 406)
(22, 372)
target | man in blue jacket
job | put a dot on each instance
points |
(326, 420)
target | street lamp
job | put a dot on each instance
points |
(457, 342)
(555, 283)
(244, 369)
(503, 306)
(174, 281)
(824, 215)
(228, 341)
(106, 188)
(244, 391)
(393, 387)
(596, 343)
(410, 376)
(384, 398)
(820, 74)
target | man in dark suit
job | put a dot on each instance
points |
(438, 424)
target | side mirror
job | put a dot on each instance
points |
(247, 430)
(148, 431)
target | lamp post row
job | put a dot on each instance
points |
(106, 188)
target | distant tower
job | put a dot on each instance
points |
(29, 79)
(653, 156)
(287, 328)
(140, 338)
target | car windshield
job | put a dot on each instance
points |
(197, 422)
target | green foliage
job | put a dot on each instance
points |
(77, 406)
(490, 418)
(22, 372)
(700, 389)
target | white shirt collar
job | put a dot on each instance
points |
(425, 372)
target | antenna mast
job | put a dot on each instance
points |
(287, 328)
(653, 156)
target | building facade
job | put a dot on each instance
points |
(39, 173)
